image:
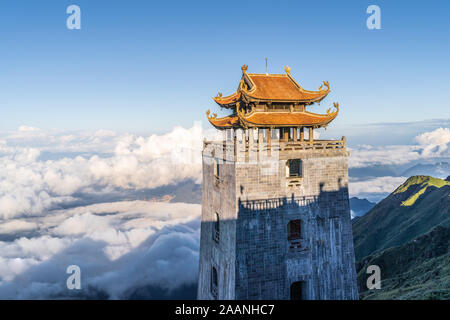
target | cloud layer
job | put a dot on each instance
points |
(74, 198)
(434, 144)
(30, 185)
(118, 246)
(378, 185)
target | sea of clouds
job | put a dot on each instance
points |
(71, 198)
(67, 198)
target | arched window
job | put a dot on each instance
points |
(214, 282)
(216, 229)
(294, 230)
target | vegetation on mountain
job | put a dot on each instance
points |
(407, 235)
(419, 269)
(413, 209)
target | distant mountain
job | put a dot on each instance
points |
(373, 171)
(419, 269)
(413, 209)
(184, 191)
(187, 191)
(439, 170)
(360, 207)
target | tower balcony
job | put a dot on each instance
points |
(240, 149)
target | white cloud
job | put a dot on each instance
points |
(375, 185)
(15, 226)
(366, 156)
(118, 246)
(434, 142)
(439, 136)
(28, 129)
(30, 185)
(430, 145)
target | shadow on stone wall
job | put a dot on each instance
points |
(267, 262)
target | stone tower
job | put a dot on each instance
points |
(275, 209)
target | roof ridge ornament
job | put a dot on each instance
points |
(213, 117)
(276, 88)
(336, 105)
(326, 84)
(287, 69)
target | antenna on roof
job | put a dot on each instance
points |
(267, 73)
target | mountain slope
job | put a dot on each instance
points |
(413, 209)
(419, 269)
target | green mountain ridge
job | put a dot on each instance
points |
(413, 209)
(407, 235)
(419, 182)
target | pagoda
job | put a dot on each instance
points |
(275, 203)
(273, 101)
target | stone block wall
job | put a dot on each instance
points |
(256, 202)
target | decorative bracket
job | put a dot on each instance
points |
(213, 117)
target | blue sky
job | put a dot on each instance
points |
(76, 194)
(146, 66)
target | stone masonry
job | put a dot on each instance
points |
(255, 201)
